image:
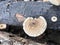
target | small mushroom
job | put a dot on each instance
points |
(34, 27)
(55, 2)
(3, 26)
(54, 19)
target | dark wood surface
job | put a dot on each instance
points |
(8, 11)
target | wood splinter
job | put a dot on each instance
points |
(20, 17)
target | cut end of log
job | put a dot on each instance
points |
(34, 27)
(55, 2)
(3, 26)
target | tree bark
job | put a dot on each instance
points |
(11, 39)
(9, 10)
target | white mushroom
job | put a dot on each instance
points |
(3, 26)
(54, 19)
(34, 27)
(55, 2)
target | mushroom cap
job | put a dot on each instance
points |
(55, 2)
(2, 26)
(34, 27)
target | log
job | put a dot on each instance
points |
(8, 15)
(29, 9)
(12, 39)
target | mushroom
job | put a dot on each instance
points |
(34, 27)
(55, 2)
(3, 26)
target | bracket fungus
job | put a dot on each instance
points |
(34, 27)
(3, 26)
(55, 2)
